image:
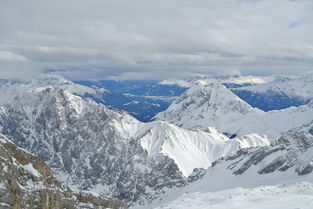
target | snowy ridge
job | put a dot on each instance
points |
(8, 88)
(192, 149)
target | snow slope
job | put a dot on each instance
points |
(214, 105)
(192, 149)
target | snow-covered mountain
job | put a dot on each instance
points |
(11, 88)
(266, 177)
(87, 145)
(94, 148)
(26, 182)
(205, 105)
(266, 93)
(216, 106)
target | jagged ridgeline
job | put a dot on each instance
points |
(87, 145)
(27, 183)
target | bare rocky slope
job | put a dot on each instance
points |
(27, 183)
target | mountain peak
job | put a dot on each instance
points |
(205, 103)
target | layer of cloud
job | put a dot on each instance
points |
(142, 39)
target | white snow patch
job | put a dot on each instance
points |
(29, 167)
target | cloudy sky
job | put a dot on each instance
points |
(145, 39)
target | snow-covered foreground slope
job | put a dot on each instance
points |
(252, 178)
(288, 196)
(216, 106)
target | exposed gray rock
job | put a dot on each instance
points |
(197, 174)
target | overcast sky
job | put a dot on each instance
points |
(145, 39)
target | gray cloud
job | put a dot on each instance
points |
(142, 39)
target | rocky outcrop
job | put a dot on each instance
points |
(27, 183)
(291, 151)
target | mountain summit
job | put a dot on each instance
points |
(202, 106)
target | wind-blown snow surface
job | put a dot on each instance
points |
(288, 196)
(276, 176)
(214, 105)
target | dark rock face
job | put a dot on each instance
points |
(26, 182)
(88, 145)
(311, 130)
(197, 174)
(255, 158)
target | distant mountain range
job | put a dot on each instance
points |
(144, 99)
